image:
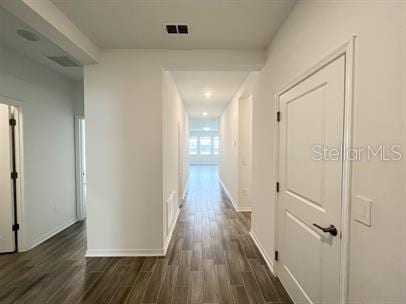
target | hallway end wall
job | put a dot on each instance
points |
(124, 132)
(312, 31)
(124, 153)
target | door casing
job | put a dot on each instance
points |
(348, 50)
(18, 116)
(180, 165)
(80, 209)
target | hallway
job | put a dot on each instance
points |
(211, 259)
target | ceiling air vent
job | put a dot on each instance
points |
(171, 29)
(183, 29)
(180, 29)
(30, 36)
(64, 61)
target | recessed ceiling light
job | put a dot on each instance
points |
(204, 113)
(208, 94)
(206, 129)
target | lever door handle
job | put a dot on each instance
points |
(330, 229)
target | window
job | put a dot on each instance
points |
(204, 145)
(216, 144)
(193, 145)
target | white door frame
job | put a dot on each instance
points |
(80, 212)
(19, 151)
(180, 164)
(347, 49)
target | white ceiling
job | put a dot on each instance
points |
(193, 85)
(213, 24)
(38, 50)
(203, 125)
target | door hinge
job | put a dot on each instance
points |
(12, 121)
(16, 227)
(14, 175)
(278, 116)
(276, 255)
(277, 187)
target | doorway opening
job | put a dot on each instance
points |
(10, 179)
(313, 193)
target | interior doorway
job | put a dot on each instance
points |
(313, 183)
(81, 178)
(9, 178)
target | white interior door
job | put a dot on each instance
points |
(6, 190)
(312, 113)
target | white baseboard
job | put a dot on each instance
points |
(228, 194)
(50, 234)
(136, 252)
(263, 252)
(186, 188)
(235, 205)
(123, 252)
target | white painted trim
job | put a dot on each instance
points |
(347, 170)
(22, 238)
(50, 234)
(17, 104)
(235, 205)
(244, 209)
(267, 258)
(170, 232)
(124, 252)
(347, 49)
(80, 214)
(186, 188)
(228, 194)
(136, 252)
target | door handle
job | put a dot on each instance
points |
(330, 229)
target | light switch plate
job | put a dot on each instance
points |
(362, 210)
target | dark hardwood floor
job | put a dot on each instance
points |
(211, 259)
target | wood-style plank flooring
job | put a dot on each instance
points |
(211, 259)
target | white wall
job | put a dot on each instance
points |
(173, 116)
(124, 152)
(48, 102)
(186, 159)
(228, 162)
(231, 147)
(312, 31)
(125, 142)
(245, 152)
